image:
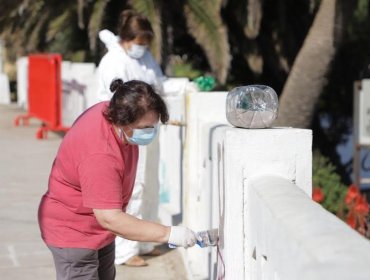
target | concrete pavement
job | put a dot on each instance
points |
(24, 169)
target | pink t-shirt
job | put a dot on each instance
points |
(93, 169)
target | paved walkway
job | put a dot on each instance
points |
(24, 168)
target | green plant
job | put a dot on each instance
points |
(185, 69)
(325, 178)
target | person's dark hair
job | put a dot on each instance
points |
(132, 25)
(132, 100)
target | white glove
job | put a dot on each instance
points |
(181, 236)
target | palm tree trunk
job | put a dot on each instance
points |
(308, 75)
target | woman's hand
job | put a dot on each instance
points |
(182, 236)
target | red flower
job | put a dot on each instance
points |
(352, 193)
(351, 220)
(361, 206)
(317, 194)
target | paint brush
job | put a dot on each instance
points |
(208, 238)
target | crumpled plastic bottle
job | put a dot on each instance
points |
(253, 106)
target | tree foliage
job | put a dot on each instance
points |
(237, 41)
(326, 178)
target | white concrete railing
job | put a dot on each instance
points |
(255, 186)
(288, 236)
(237, 156)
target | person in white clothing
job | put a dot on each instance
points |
(128, 58)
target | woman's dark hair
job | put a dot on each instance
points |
(132, 100)
(132, 25)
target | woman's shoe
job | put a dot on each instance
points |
(136, 261)
(155, 252)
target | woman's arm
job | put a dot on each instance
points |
(131, 228)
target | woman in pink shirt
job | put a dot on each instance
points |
(91, 182)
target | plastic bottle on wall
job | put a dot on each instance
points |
(253, 106)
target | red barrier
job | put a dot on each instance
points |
(44, 93)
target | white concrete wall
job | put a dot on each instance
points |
(22, 82)
(4, 89)
(240, 154)
(204, 112)
(288, 236)
(4, 80)
(171, 139)
(187, 195)
(171, 142)
(79, 86)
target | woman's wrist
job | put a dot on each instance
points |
(167, 234)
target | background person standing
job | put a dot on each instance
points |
(128, 58)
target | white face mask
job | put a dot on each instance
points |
(136, 51)
(140, 136)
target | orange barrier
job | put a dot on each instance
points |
(44, 93)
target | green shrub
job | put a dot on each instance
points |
(185, 70)
(324, 176)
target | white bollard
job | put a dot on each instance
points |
(4, 89)
(22, 82)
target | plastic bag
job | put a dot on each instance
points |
(253, 106)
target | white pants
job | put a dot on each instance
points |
(126, 249)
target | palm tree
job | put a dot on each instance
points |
(205, 24)
(308, 75)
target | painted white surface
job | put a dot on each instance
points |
(175, 86)
(79, 84)
(4, 89)
(22, 82)
(4, 80)
(204, 110)
(170, 173)
(296, 238)
(185, 170)
(171, 142)
(240, 154)
(176, 108)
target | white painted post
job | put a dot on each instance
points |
(22, 82)
(240, 154)
(4, 80)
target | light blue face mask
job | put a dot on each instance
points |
(141, 136)
(136, 51)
